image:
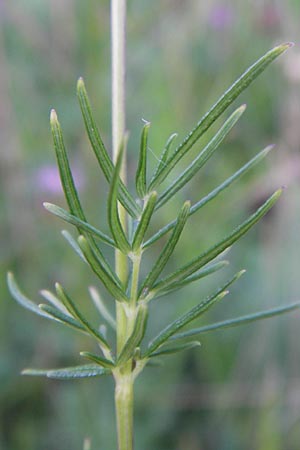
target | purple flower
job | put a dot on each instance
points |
(220, 17)
(48, 181)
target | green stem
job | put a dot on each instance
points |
(124, 411)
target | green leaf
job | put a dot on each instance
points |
(73, 243)
(85, 371)
(219, 107)
(109, 283)
(144, 222)
(166, 251)
(98, 360)
(100, 305)
(69, 186)
(59, 316)
(191, 315)
(81, 225)
(51, 298)
(212, 268)
(74, 311)
(113, 209)
(197, 263)
(140, 179)
(243, 320)
(213, 194)
(136, 336)
(175, 349)
(21, 298)
(100, 151)
(201, 159)
(163, 159)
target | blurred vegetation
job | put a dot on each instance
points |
(242, 388)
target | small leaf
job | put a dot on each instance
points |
(140, 180)
(219, 107)
(72, 308)
(73, 243)
(191, 315)
(243, 320)
(80, 224)
(197, 263)
(162, 160)
(100, 151)
(144, 221)
(175, 349)
(100, 305)
(166, 251)
(98, 360)
(22, 299)
(109, 283)
(59, 316)
(51, 298)
(113, 209)
(85, 371)
(136, 336)
(201, 159)
(213, 194)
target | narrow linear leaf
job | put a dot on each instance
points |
(98, 360)
(144, 221)
(18, 295)
(201, 159)
(51, 298)
(59, 316)
(191, 315)
(100, 305)
(219, 107)
(166, 251)
(213, 194)
(243, 320)
(212, 268)
(69, 185)
(72, 308)
(73, 243)
(80, 224)
(197, 263)
(163, 158)
(109, 283)
(141, 173)
(175, 349)
(136, 336)
(85, 371)
(113, 209)
(100, 151)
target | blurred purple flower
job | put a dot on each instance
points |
(221, 17)
(48, 181)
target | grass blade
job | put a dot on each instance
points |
(141, 173)
(81, 225)
(163, 158)
(74, 311)
(113, 210)
(166, 251)
(197, 263)
(69, 373)
(202, 158)
(98, 360)
(100, 151)
(136, 336)
(219, 107)
(191, 315)
(175, 349)
(243, 320)
(109, 283)
(144, 222)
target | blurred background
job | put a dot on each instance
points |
(241, 389)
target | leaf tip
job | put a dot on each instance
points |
(80, 83)
(53, 116)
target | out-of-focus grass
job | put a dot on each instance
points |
(241, 389)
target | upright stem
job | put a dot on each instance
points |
(123, 379)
